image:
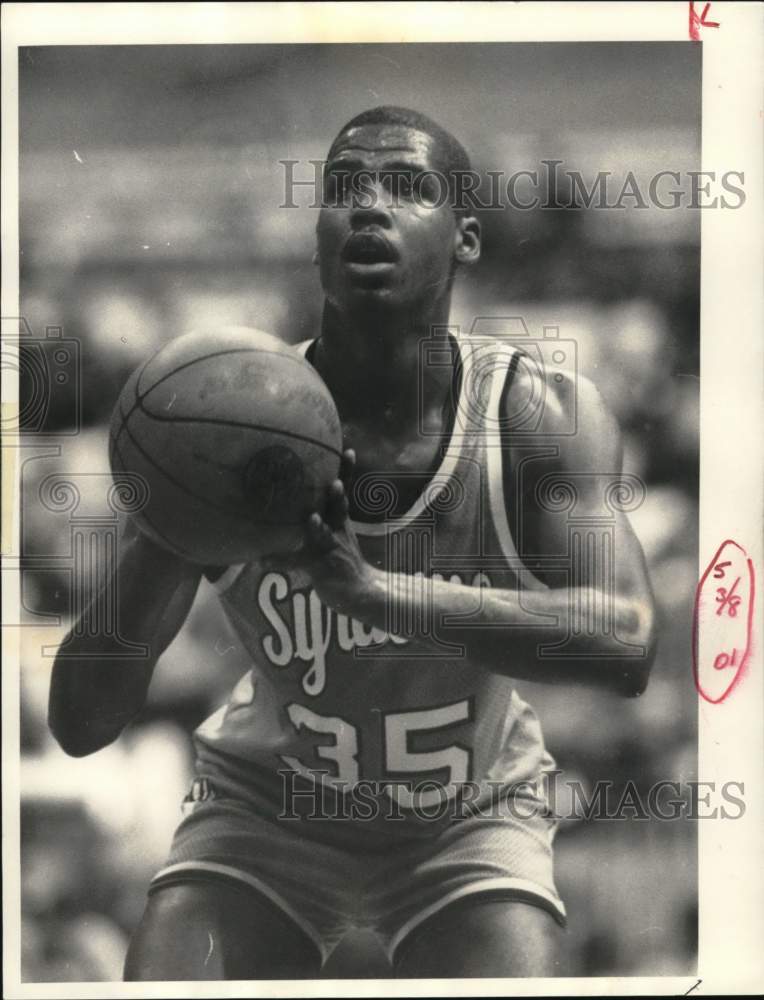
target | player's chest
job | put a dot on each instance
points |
(399, 462)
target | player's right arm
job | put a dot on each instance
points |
(93, 696)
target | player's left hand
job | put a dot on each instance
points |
(331, 555)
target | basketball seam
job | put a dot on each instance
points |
(215, 354)
(209, 503)
(188, 364)
(126, 416)
(138, 404)
(179, 549)
(238, 423)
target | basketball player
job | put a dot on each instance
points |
(375, 769)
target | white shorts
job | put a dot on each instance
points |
(329, 891)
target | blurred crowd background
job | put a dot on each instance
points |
(150, 187)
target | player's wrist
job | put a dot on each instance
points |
(368, 596)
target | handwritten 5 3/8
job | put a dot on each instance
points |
(728, 601)
(722, 628)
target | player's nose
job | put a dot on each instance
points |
(371, 206)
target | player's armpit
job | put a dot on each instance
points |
(213, 573)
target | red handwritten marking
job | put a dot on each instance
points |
(724, 660)
(698, 22)
(727, 598)
(725, 638)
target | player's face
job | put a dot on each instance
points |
(387, 232)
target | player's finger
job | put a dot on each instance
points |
(320, 535)
(336, 506)
(347, 464)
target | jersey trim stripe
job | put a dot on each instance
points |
(495, 451)
(444, 471)
(447, 465)
(226, 580)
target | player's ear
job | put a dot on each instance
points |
(467, 239)
(315, 256)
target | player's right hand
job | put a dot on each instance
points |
(331, 555)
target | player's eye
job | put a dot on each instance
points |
(399, 184)
(337, 187)
(428, 189)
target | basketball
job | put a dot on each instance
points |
(236, 438)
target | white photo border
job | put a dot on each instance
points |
(731, 735)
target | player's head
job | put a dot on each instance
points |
(391, 230)
(449, 157)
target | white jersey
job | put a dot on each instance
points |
(329, 698)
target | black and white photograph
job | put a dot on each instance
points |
(358, 622)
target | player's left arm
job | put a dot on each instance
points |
(566, 497)
(513, 631)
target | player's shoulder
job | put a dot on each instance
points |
(566, 403)
(564, 393)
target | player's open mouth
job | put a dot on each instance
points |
(368, 248)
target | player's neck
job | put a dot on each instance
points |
(372, 363)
